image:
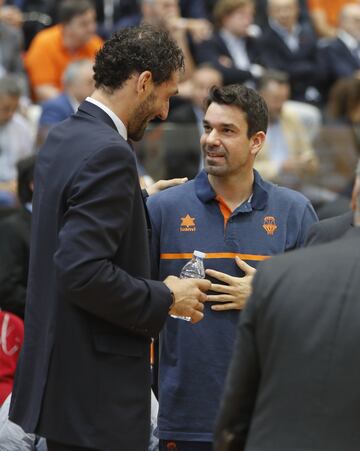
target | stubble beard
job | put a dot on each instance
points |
(140, 119)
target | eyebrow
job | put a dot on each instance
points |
(221, 124)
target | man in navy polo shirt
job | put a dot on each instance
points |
(229, 212)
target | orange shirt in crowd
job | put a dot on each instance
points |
(47, 58)
(331, 8)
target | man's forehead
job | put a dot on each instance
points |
(224, 114)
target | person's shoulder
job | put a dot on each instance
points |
(46, 36)
(95, 43)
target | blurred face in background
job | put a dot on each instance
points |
(350, 20)
(82, 28)
(275, 95)
(83, 83)
(203, 80)
(238, 21)
(8, 107)
(157, 12)
(284, 12)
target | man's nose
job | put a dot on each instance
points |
(212, 138)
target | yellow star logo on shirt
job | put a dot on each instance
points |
(187, 221)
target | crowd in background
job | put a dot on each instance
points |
(302, 56)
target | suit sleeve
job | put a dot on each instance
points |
(308, 219)
(242, 382)
(314, 235)
(100, 204)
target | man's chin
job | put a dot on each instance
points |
(137, 135)
(214, 170)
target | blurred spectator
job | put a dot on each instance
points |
(204, 77)
(10, 14)
(324, 15)
(11, 340)
(78, 84)
(130, 11)
(340, 57)
(166, 14)
(287, 155)
(344, 106)
(54, 48)
(11, 45)
(231, 49)
(15, 244)
(185, 161)
(16, 137)
(291, 46)
(261, 17)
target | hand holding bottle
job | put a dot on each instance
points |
(189, 296)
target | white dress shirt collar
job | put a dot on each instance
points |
(350, 42)
(117, 121)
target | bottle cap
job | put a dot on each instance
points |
(199, 254)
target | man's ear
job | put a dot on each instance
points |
(144, 83)
(257, 143)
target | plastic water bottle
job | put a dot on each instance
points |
(193, 269)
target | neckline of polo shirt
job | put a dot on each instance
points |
(205, 192)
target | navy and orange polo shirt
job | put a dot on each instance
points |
(194, 358)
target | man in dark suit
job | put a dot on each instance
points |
(15, 244)
(293, 380)
(332, 228)
(291, 46)
(83, 379)
(232, 49)
(340, 57)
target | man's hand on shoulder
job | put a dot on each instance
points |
(164, 184)
(189, 297)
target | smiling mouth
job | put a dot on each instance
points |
(215, 155)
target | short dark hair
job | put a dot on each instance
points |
(25, 168)
(247, 100)
(68, 9)
(135, 50)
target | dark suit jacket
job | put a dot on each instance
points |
(329, 229)
(14, 261)
(336, 61)
(56, 110)
(300, 64)
(211, 50)
(293, 380)
(84, 373)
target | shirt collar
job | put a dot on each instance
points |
(258, 199)
(230, 37)
(283, 31)
(348, 40)
(117, 121)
